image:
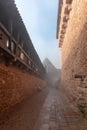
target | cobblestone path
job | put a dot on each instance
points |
(45, 110)
(56, 114)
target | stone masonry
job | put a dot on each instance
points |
(74, 54)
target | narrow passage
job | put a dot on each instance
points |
(47, 109)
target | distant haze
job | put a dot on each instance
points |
(52, 72)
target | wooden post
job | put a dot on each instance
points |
(11, 29)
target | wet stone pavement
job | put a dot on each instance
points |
(45, 110)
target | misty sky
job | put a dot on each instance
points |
(40, 18)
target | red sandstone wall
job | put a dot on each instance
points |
(74, 53)
(15, 85)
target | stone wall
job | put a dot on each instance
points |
(15, 85)
(74, 54)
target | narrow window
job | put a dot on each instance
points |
(22, 56)
(7, 44)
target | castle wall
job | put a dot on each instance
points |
(74, 54)
(16, 84)
(21, 70)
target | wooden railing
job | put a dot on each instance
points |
(10, 48)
